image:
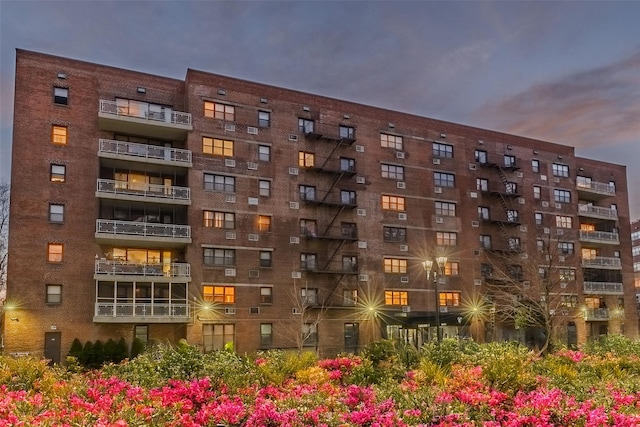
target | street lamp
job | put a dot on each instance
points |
(428, 265)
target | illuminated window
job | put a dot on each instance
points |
(221, 257)
(395, 297)
(60, 96)
(264, 223)
(217, 110)
(564, 221)
(392, 172)
(56, 213)
(587, 227)
(449, 299)
(219, 183)
(394, 234)
(55, 252)
(442, 150)
(445, 209)
(217, 147)
(306, 159)
(390, 141)
(446, 238)
(264, 119)
(59, 135)
(393, 203)
(219, 294)
(219, 219)
(441, 179)
(560, 170)
(54, 294)
(58, 173)
(452, 268)
(395, 265)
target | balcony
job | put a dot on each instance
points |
(592, 190)
(603, 288)
(330, 133)
(128, 311)
(150, 234)
(123, 150)
(599, 237)
(608, 263)
(597, 212)
(596, 314)
(124, 190)
(170, 272)
(347, 201)
(141, 118)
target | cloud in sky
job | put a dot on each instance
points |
(584, 109)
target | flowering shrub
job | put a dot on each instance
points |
(276, 389)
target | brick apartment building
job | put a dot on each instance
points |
(226, 211)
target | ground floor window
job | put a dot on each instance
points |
(218, 336)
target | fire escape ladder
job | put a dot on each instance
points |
(333, 255)
(333, 291)
(335, 217)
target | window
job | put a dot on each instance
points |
(395, 265)
(441, 179)
(394, 234)
(390, 141)
(452, 268)
(482, 184)
(509, 161)
(449, 299)
(219, 183)
(307, 192)
(536, 192)
(220, 111)
(58, 173)
(347, 165)
(265, 259)
(264, 119)
(511, 188)
(567, 274)
(566, 248)
(224, 257)
(309, 334)
(392, 172)
(308, 261)
(515, 271)
(569, 301)
(347, 132)
(635, 251)
(350, 297)
(348, 197)
(445, 209)
(538, 218)
(219, 294)
(512, 215)
(486, 270)
(264, 187)
(308, 296)
(141, 332)
(264, 153)
(266, 334)
(212, 219)
(306, 159)
(442, 150)
(589, 253)
(60, 96)
(55, 252)
(446, 238)
(54, 294)
(305, 125)
(535, 166)
(393, 203)
(217, 147)
(485, 241)
(266, 295)
(308, 227)
(395, 297)
(564, 221)
(264, 223)
(56, 213)
(560, 170)
(349, 230)
(513, 243)
(587, 227)
(351, 337)
(483, 213)
(217, 337)
(481, 156)
(59, 135)
(562, 196)
(350, 263)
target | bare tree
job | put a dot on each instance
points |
(307, 311)
(4, 237)
(533, 291)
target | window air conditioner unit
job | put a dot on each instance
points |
(545, 204)
(361, 212)
(293, 137)
(437, 190)
(563, 285)
(477, 282)
(359, 148)
(406, 309)
(294, 240)
(230, 198)
(293, 171)
(229, 127)
(404, 248)
(436, 161)
(475, 223)
(473, 194)
(523, 228)
(296, 275)
(252, 201)
(444, 309)
(362, 245)
(402, 216)
(296, 310)
(294, 205)
(254, 274)
(230, 272)
(404, 279)
(400, 154)
(401, 185)
(230, 310)
(519, 174)
(252, 130)
(230, 163)
(363, 277)
(253, 237)
(439, 220)
(543, 177)
(556, 180)
(521, 200)
(230, 235)
(252, 166)
(361, 180)
(472, 166)
(254, 310)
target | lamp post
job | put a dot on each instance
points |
(428, 266)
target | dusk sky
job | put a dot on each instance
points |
(565, 72)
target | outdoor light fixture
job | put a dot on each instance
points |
(428, 266)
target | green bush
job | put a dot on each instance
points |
(137, 347)
(614, 344)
